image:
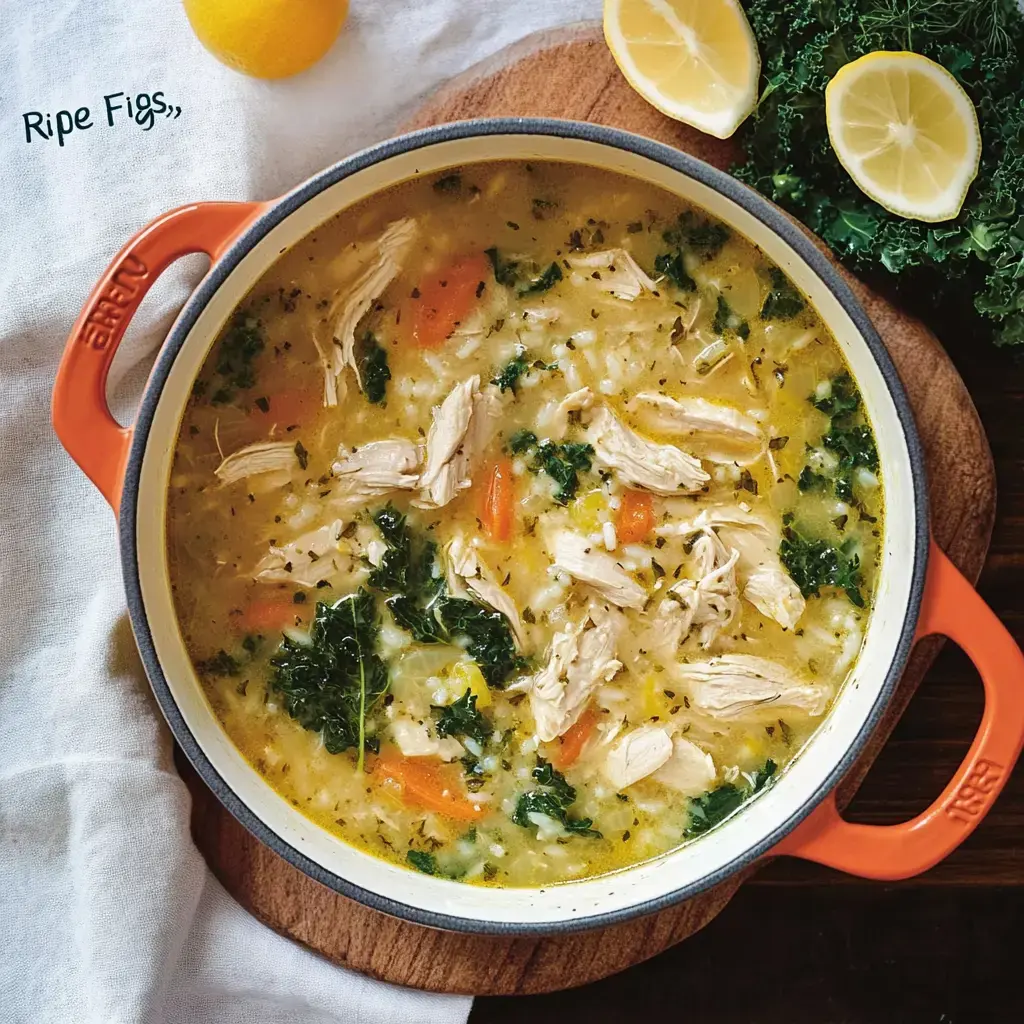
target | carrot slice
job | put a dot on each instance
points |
(427, 783)
(444, 300)
(636, 517)
(268, 615)
(497, 508)
(571, 745)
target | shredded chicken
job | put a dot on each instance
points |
(392, 247)
(575, 555)
(414, 739)
(723, 434)
(581, 657)
(765, 582)
(467, 568)
(690, 770)
(256, 459)
(463, 425)
(637, 462)
(616, 272)
(555, 422)
(707, 598)
(733, 684)
(638, 754)
(317, 555)
(375, 469)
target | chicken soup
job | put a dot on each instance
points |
(523, 523)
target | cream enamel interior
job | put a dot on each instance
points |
(575, 901)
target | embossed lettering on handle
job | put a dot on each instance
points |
(951, 607)
(92, 437)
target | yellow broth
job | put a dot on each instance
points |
(719, 324)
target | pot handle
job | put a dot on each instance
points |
(953, 608)
(81, 417)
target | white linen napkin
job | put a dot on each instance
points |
(107, 913)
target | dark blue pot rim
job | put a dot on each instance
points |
(721, 182)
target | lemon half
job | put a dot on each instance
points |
(906, 132)
(695, 60)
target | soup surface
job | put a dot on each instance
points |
(523, 523)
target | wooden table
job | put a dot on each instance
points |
(800, 943)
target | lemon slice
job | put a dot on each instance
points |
(695, 60)
(906, 132)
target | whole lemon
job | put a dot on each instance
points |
(267, 38)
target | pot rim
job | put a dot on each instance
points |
(750, 201)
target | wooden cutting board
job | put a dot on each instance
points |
(569, 73)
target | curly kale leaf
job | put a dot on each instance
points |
(419, 601)
(814, 564)
(672, 266)
(234, 371)
(783, 302)
(553, 798)
(462, 718)
(728, 321)
(331, 684)
(563, 461)
(374, 372)
(788, 157)
(717, 804)
(525, 278)
(486, 636)
(848, 437)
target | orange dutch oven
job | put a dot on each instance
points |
(920, 592)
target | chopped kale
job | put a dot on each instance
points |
(392, 574)
(703, 236)
(486, 635)
(764, 775)
(563, 461)
(712, 807)
(553, 798)
(814, 564)
(422, 861)
(420, 604)
(671, 264)
(843, 397)
(242, 343)
(330, 684)
(727, 320)
(547, 279)
(374, 372)
(506, 272)
(463, 719)
(783, 302)
(508, 377)
(221, 664)
(849, 439)
(521, 442)
(406, 572)
(809, 481)
(717, 804)
(855, 447)
(526, 280)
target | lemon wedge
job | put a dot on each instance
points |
(695, 60)
(267, 38)
(906, 132)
